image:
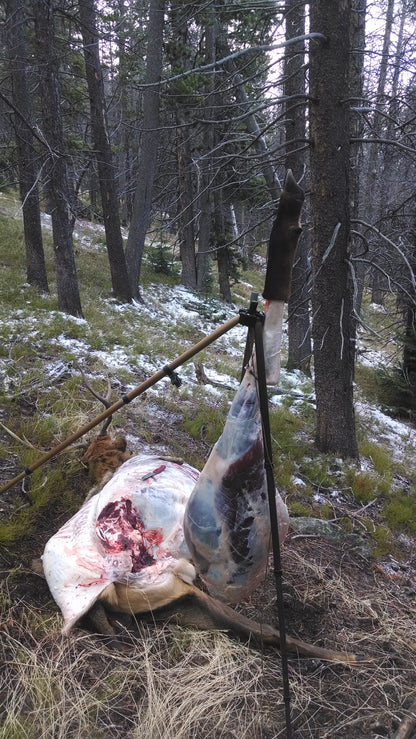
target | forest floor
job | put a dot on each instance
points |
(350, 587)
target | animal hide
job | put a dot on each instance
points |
(130, 532)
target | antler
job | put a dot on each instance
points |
(105, 400)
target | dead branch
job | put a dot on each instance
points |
(405, 730)
(203, 379)
(23, 441)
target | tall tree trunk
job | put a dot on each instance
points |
(180, 61)
(148, 158)
(205, 181)
(300, 349)
(26, 154)
(254, 130)
(223, 234)
(185, 205)
(373, 180)
(59, 192)
(357, 36)
(125, 153)
(250, 121)
(389, 164)
(333, 326)
(377, 122)
(109, 196)
(409, 349)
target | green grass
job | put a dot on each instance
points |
(34, 333)
(206, 424)
(400, 512)
(384, 541)
(379, 456)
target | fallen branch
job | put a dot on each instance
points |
(203, 379)
(405, 730)
(23, 441)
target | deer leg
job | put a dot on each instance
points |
(200, 610)
(98, 619)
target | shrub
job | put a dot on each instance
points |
(161, 260)
(400, 513)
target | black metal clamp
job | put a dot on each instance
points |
(250, 316)
(173, 376)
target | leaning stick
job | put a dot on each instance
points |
(165, 372)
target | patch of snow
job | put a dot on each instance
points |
(117, 358)
(298, 482)
(399, 436)
(56, 369)
(297, 387)
(245, 284)
(276, 399)
(46, 220)
(74, 319)
(73, 345)
(212, 390)
(378, 308)
(370, 358)
(221, 378)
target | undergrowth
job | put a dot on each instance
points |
(177, 682)
(173, 682)
(37, 336)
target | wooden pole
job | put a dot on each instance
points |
(164, 372)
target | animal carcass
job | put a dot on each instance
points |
(139, 543)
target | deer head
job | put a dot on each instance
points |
(105, 453)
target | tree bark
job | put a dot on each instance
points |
(35, 258)
(185, 208)
(205, 181)
(103, 153)
(125, 149)
(223, 235)
(250, 121)
(373, 181)
(148, 159)
(357, 36)
(300, 349)
(59, 192)
(180, 58)
(333, 326)
(409, 348)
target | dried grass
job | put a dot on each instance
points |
(173, 682)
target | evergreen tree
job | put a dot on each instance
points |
(26, 152)
(103, 153)
(60, 194)
(333, 326)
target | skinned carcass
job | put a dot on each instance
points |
(138, 544)
(227, 521)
